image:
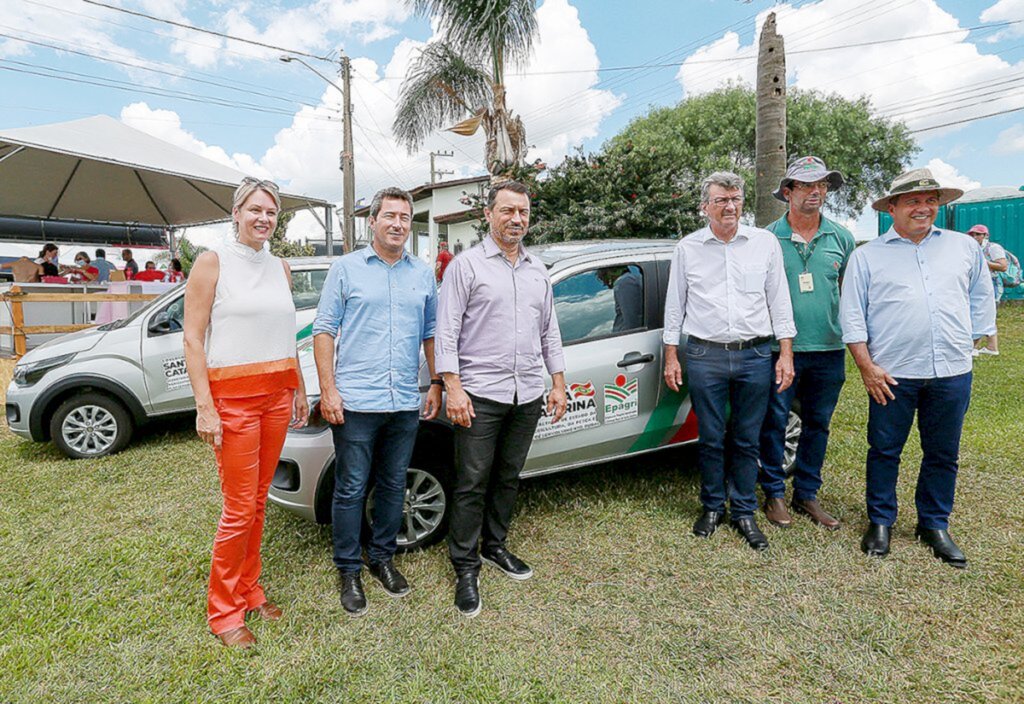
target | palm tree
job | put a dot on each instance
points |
(462, 76)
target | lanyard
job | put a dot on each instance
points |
(806, 250)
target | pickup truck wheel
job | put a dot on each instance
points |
(794, 426)
(90, 425)
(427, 505)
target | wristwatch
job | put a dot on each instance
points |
(436, 382)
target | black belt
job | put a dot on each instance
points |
(731, 346)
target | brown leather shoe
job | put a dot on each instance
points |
(240, 637)
(776, 513)
(816, 513)
(268, 611)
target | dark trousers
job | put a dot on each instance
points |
(728, 386)
(818, 381)
(941, 405)
(383, 443)
(489, 456)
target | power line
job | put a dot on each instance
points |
(966, 120)
(203, 30)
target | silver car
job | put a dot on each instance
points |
(89, 390)
(609, 297)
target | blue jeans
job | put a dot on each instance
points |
(941, 405)
(723, 382)
(382, 442)
(818, 381)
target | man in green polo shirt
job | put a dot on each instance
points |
(815, 250)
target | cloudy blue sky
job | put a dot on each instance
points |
(597, 65)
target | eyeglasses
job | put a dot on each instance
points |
(816, 186)
(268, 184)
(721, 202)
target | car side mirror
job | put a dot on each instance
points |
(161, 324)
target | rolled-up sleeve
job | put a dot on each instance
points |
(331, 308)
(675, 298)
(430, 309)
(776, 289)
(451, 307)
(551, 335)
(853, 304)
(982, 297)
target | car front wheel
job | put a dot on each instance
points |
(425, 508)
(90, 425)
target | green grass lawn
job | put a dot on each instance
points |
(103, 568)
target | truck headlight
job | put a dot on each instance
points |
(30, 373)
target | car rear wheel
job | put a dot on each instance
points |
(794, 426)
(425, 509)
(90, 425)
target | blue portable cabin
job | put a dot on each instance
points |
(1000, 208)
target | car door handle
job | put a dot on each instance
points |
(635, 358)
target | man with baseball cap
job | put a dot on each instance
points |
(815, 252)
(914, 299)
(996, 260)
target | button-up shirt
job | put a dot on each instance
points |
(815, 312)
(380, 314)
(728, 291)
(497, 327)
(918, 306)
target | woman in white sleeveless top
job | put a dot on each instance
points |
(240, 353)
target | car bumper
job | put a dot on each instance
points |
(18, 408)
(304, 460)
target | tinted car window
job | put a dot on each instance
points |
(600, 302)
(306, 287)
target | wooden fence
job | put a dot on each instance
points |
(16, 299)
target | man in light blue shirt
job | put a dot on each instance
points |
(377, 307)
(913, 302)
(102, 266)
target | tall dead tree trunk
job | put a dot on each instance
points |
(770, 156)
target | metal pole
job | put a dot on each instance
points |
(347, 161)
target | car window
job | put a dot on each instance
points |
(600, 302)
(306, 285)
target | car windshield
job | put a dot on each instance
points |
(156, 302)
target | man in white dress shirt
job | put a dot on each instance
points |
(728, 294)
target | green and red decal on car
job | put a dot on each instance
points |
(666, 415)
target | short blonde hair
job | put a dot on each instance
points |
(249, 186)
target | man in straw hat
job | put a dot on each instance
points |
(815, 252)
(914, 299)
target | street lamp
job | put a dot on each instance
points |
(347, 162)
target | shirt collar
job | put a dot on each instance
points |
(741, 231)
(369, 252)
(784, 231)
(491, 249)
(891, 235)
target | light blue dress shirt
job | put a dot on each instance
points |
(380, 314)
(918, 306)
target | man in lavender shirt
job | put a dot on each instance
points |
(496, 331)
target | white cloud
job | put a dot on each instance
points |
(1009, 140)
(949, 176)
(1004, 11)
(923, 81)
(81, 27)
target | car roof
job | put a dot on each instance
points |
(560, 254)
(310, 262)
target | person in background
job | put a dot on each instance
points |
(103, 267)
(82, 271)
(242, 364)
(443, 258)
(150, 273)
(995, 259)
(913, 300)
(131, 267)
(175, 274)
(48, 260)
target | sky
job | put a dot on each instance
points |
(953, 70)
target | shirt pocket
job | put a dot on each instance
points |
(752, 278)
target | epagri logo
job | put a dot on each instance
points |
(621, 399)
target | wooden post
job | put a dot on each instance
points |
(18, 324)
(770, 157)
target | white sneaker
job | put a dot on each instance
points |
(986, 350)
(975, 352)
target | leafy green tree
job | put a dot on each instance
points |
(645, 181)
(280, 246)
(462, 76)
(187, 254)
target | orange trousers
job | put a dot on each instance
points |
(254, 429)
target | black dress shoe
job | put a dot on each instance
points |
(747, 527)
(390, 578)
(708, 523)
(942, 545)
(875, 542)
(467, 594)
(353, 599)
(507, 562)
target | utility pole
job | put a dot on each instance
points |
(434, 173)
(348, 170)
(770, 153)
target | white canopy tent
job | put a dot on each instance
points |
(98, 169)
